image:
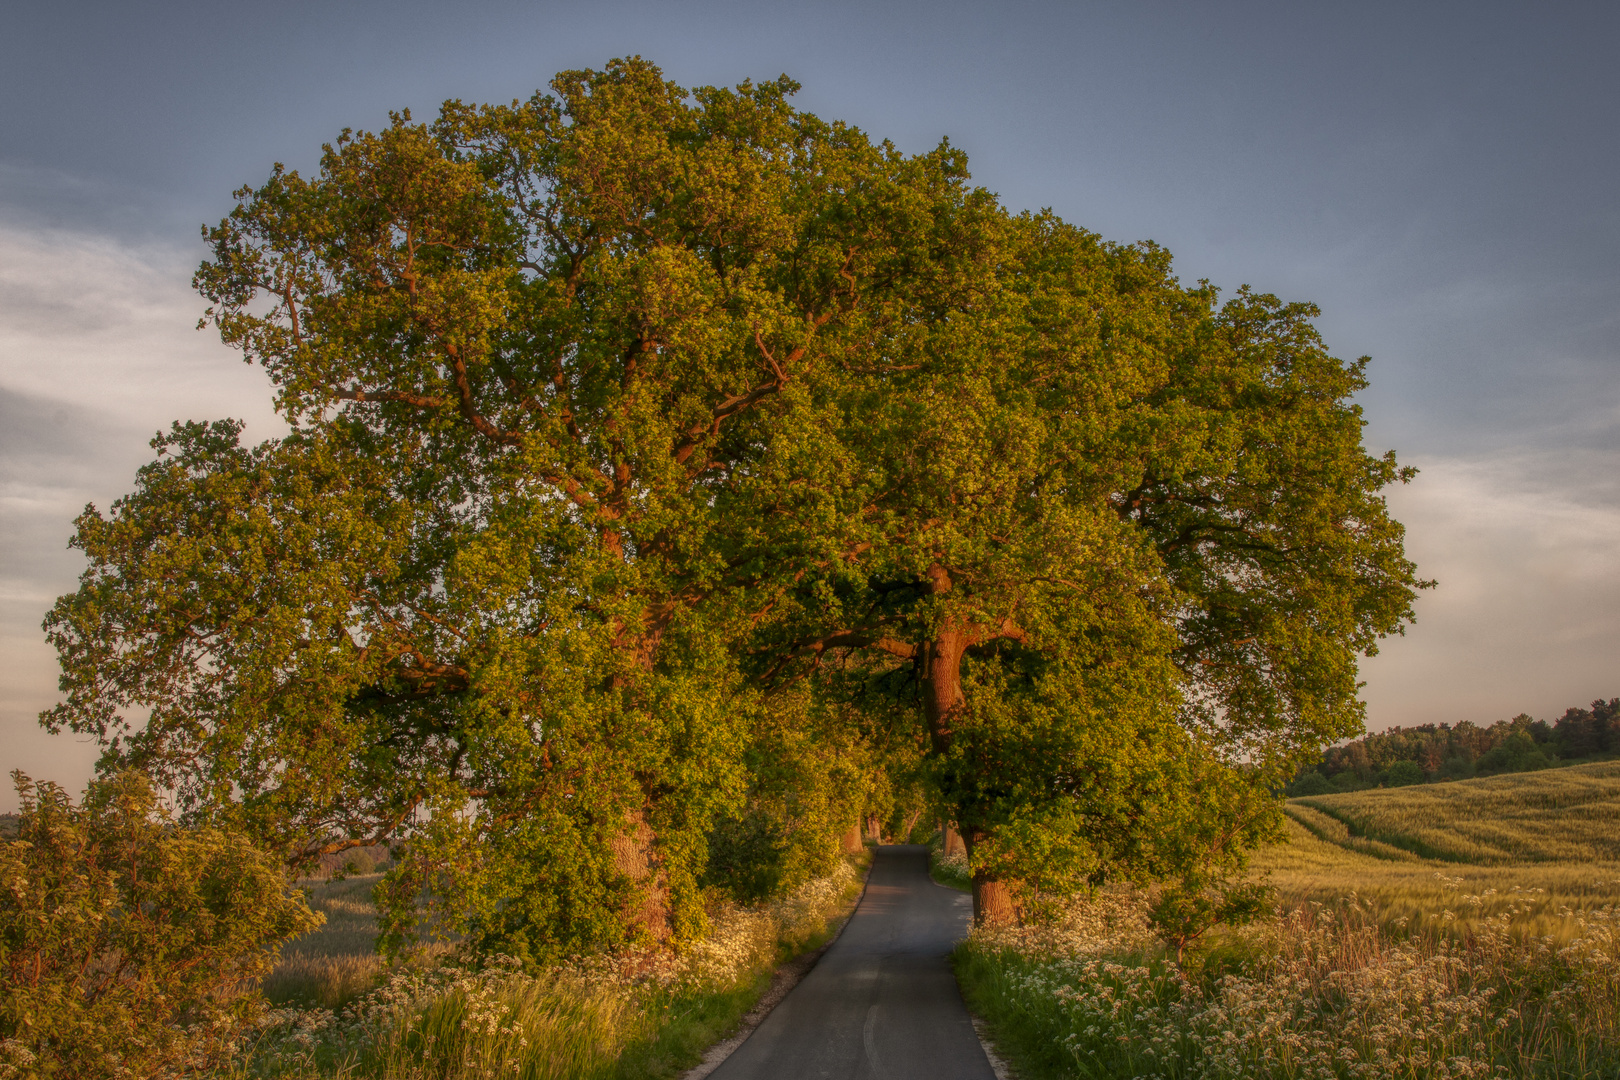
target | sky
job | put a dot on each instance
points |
(1441, 178)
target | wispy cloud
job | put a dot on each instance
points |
(89, 321)
(98, 351)
(1526, 618)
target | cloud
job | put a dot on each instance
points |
(1526, 617)
(98, 351)
(89, 321)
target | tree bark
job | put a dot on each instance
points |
(634, 850)
(634, 857)
(942, 686)
(953, 840)
(943, 701)
(852, 839)
(993, 901)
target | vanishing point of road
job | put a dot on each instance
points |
(882, 1003)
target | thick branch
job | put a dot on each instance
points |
(468, 410)
(344, 393)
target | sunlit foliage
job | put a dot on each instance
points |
(129, 946)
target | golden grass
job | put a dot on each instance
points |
(1557, 815)
(1332, 831)
(337, 963)
(461, 1024)
(1549, 840)
(649, 1014)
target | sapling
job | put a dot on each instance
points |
(1187, 909)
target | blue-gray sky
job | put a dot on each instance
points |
(1441, 178)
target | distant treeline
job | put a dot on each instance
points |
(1433, 752)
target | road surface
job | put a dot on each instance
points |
(882, 1003)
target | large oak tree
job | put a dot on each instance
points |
(547, 365)
(1122, 545)
(657, 456)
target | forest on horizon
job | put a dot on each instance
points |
(1432, 753)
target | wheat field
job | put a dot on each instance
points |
(1557, 815)
(338, 962)
(1547, 841)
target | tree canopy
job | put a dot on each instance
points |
(1439, 752)
(1123, 544)
(669, 471)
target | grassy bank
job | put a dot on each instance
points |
(644, 1015)
(951, 870)
(1464, 930)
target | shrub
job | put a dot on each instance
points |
(1349, 781)
(1186, 910)
(1311, 782)
(1455, 768)
(747, 858)
(128, 945)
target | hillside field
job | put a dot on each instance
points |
(1420, 848)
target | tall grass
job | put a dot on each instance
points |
(458, 1022)
(1320, 993)
(338, 962)
(648, 1014)
(1500, 957)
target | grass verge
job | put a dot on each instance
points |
(1318, 993)
(650, 1015)
(950, 870)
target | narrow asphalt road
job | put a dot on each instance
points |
(882, 1003)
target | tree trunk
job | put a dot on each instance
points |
(852, 839)
(635, 853)
(993, 903)
(953, 840)
(942, 686)
(943, 702)
(634, 856)
(910, 826)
